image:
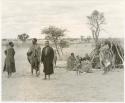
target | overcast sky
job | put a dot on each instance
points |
(31, 16)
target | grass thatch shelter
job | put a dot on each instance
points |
(116, 48)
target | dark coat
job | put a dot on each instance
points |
(9, 64)
(48, 60)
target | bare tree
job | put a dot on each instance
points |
(54, 34)
(96, 20)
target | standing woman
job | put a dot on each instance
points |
(9, 64)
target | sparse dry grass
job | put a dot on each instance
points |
(64, 86)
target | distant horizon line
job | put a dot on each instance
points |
(63, 38)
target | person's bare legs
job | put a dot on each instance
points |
(77, 72)
(32, 70)
(36, 72)
(8, 74)
(45, 77)
(49, 77)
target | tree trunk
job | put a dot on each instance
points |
(57, 48)
(93, 34)
(97, 31)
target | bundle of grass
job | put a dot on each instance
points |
(118, 52)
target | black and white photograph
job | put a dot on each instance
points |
(62, 50)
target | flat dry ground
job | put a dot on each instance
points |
(64, 85)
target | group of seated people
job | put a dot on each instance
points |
(79, 64)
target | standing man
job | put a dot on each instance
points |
(47, 59)
(34, 56)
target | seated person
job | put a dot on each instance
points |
(86, 64)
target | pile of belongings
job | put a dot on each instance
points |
(83, 65)
(86, 66)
